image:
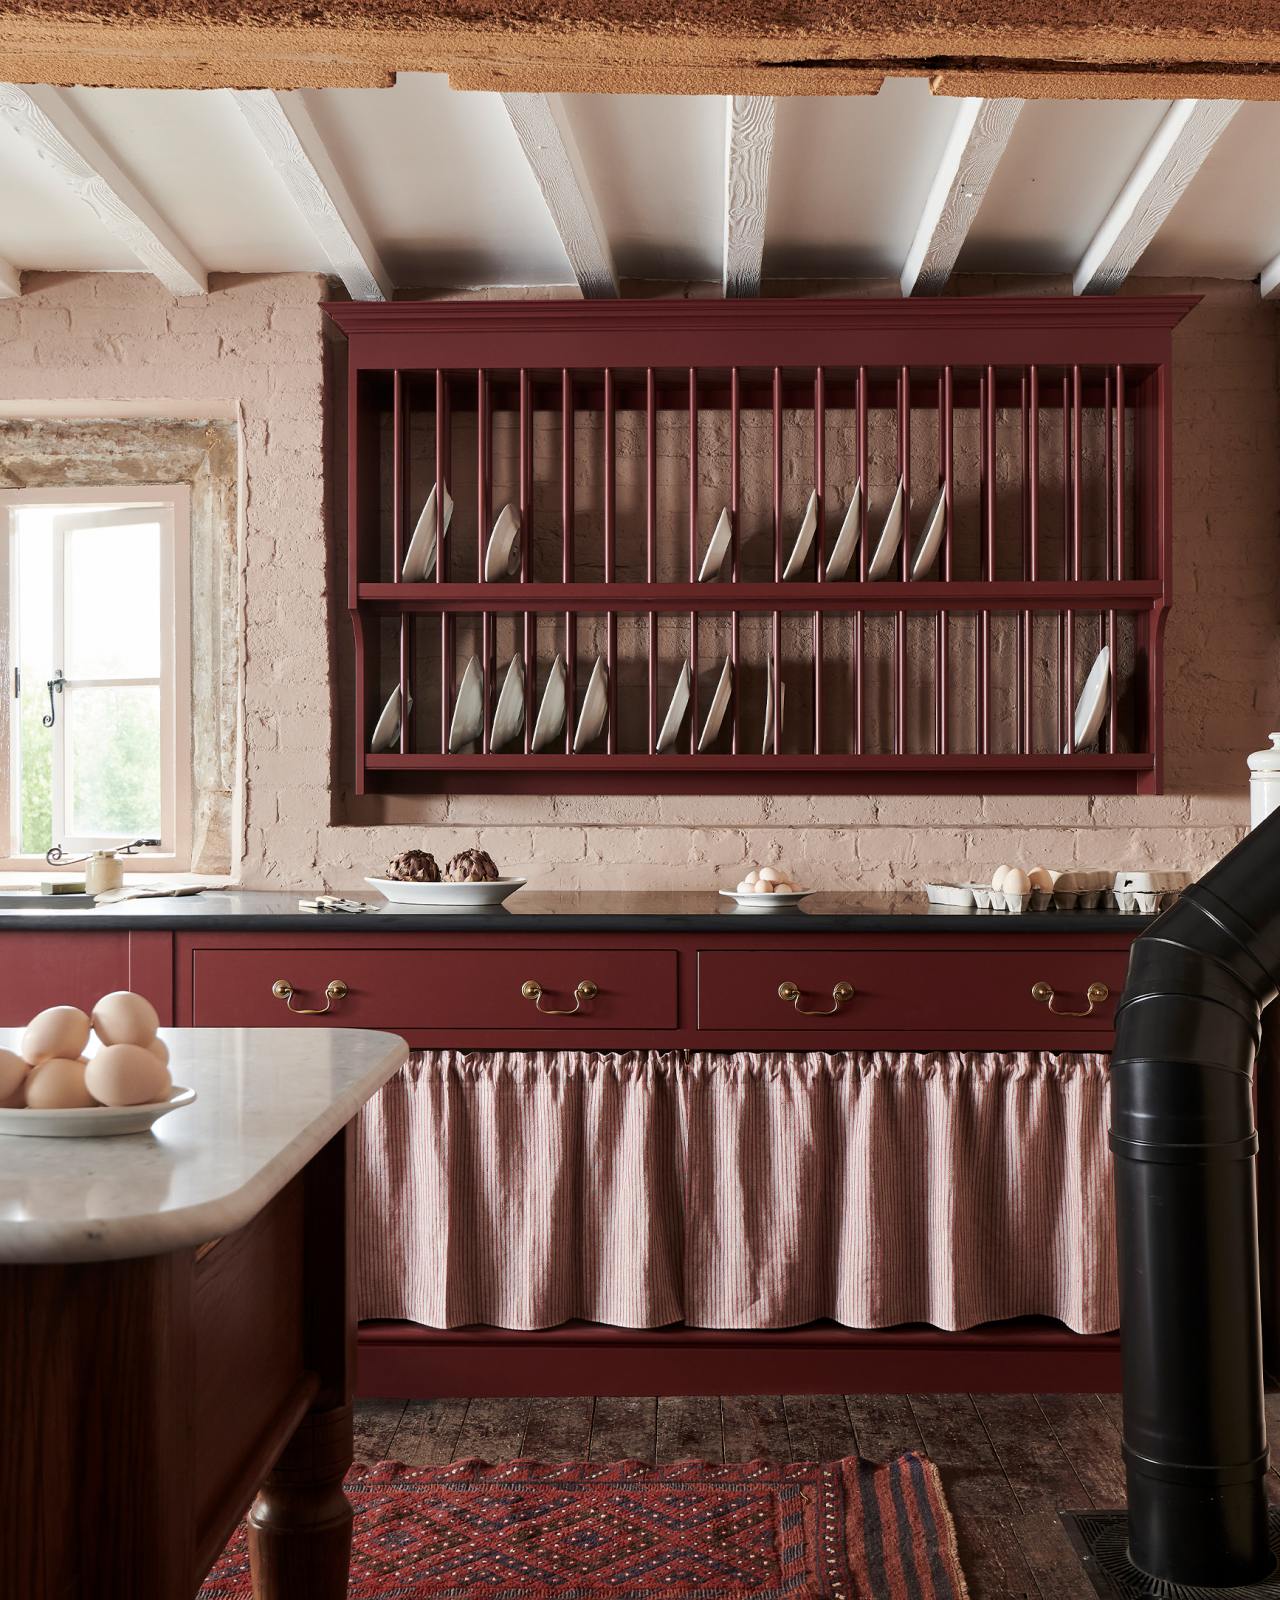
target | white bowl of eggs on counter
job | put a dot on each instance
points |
(766, 889)
(53, 1086)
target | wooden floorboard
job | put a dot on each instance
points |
(1010, 1463)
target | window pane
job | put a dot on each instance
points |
(35, 658)
(113, 762)
(113, 602)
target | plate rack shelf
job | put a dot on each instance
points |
(799, 545)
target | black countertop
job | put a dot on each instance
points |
(256, 911)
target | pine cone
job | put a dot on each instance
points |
(414, 866)
(471, 866)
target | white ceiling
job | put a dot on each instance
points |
(444, 191)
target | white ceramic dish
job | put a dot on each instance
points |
(767, 743)
(842, 551)
(508, 715)
(767, 902)
(468, 708)
(931, 538)
(92, 1122)
(719, 705)
(502, 553)
(387, 731)
(549, 723)
(717, 547)
(438, 896)
(595, 707)
(950, 894)
(1091, 707)
(890, 536)
(804, 537)
(679, 705)
(420, 557)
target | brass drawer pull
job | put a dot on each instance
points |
(586, 990)
(284, 990)
(790, 991)
(1095, 994)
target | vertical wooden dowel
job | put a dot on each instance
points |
(1025, 437)
(1077, 488)
(398, 473)
(651, 540)
(817, 683)
(442, 474)
(694, 723)
(900, 739)
(735, 492)
(858, 642)
(777, 474)
(1120, 478)
(1067, 625)
(611, 663)
(526, 544)
(775, 733)
(484, 445)
(571, 678)
(1066, 475)
(904, 469)
(446, 697)
(948, 467)
(1108, 466)
(1028, 685)
(611, 620)
(1112, 698)
(940, 682)
(1033, 473)
(989, 452)
(693, 474)
(984, 702)
(858, 632)
(820, 488)
(566, 476)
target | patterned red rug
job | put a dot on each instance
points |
(527, 1530)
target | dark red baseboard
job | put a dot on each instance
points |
(401, 1360)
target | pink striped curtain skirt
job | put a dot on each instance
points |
(748, 1190)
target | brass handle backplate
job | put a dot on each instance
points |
(1095, 994)
(284, 990)
(533, 990)
(791, 991)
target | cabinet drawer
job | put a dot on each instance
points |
(407, 989)
(915, 990)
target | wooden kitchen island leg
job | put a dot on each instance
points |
(300, 1524)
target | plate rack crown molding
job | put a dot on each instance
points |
(937, 519)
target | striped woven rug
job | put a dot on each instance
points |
(527, 1530)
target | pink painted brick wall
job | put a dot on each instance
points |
(254, 348)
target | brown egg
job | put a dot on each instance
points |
(127, 1075)
(160, 1050)
(1040, 878)
(125, 1018)
(58, 1085)
(13, 1077)
(60, 1031)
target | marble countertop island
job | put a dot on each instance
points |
(268, 1100)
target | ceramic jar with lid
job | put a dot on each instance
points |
(1264, 782)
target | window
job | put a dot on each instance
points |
(99, 680)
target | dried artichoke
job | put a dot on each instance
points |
(414, 866)
(471, 866)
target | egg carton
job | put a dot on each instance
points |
(1077, 889)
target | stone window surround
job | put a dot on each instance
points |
(204, 454)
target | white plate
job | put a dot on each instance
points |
(508, 716)
(502, 553)
(890, 537)
(93, 1122)
(804, 538)
(931, 538)
(437, 896)
(674, 719)
(595, 707)
(387, 731)
(767, 902)
(719, 705)
(549, 723)
(847, 539)
(468, 708)
(768, 713)
(1091, 707)
(716, 548)
(420, 557)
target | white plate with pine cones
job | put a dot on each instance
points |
(470, 878)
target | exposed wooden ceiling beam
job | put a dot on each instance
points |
(977, 141)
(10, 279)
(1187, 133)
(291, 142)
(748, 151)
(44, 118)
(547, 140)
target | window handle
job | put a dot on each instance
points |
(56, 682)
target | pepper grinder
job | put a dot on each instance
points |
(1264, 782)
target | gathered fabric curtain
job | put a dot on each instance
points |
(743, 1190)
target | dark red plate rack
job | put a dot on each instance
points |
(619, 432)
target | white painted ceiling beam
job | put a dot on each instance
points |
(291, 142)
(977, 141)
(1269, 282)
(549, 147)
(1187, 133)
(10, 280)
(44, 118)
(748, 152)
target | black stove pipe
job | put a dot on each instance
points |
(1185, 1143)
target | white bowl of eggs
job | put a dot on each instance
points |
(766, 889)
(52, 1087)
